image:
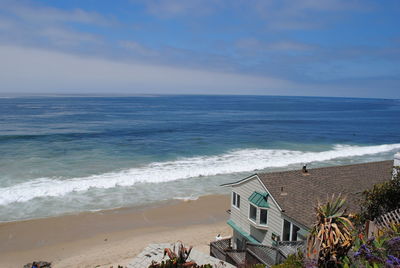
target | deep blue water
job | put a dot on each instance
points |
(69, 154)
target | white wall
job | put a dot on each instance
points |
(240, 216)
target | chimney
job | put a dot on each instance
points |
(396, 165)
(305, 170)
(282, 192)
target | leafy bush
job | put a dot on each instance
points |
(292, 261)
(380, 251)
(382, 198)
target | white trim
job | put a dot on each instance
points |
(236, 207)
(301, 226)
(258, 226)
(253, 222)
(239, 182)
(248, 215)
(291, 231)
(262, 184)
(260, 216)
(273, 199)
(236, 200)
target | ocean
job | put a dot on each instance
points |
(62, 155)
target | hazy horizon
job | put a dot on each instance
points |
(330, 48)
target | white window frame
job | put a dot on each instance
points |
(235, 198)
(290, 231)
(259, 221)
(250, 219)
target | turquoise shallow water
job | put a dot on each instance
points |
(64, 155)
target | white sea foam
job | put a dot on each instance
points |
(231, 162)
(186, 198)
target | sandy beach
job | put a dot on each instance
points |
(112, 237)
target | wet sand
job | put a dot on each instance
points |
(112, 237)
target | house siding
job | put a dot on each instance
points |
(241, 216)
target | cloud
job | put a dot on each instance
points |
(173, 8)
(138, 48)
(278, 14)
(42, 14)
(306, 14)
(27, 70)
(32, 71)
(196, 52)
(25, 24)
(257, 45)
(68, 38)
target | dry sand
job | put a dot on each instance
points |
(112, 237)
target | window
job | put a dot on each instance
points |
(239, 244)
(295, 229)
(253, 213)
(289, 231)
(236, 199)
(263, 216)
(286, 231)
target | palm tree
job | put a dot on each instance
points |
(330, 238)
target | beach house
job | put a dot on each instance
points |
(271, 213)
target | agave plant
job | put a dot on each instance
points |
(181, 255)
(178, 257)
(330, 238)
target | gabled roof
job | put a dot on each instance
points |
(301, 193)
(259, 199)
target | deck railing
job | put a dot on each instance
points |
(253, 253)
(219, 248)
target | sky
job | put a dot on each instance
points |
(340, 48)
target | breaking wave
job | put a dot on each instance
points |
(246, 160)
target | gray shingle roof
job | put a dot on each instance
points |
(304, 191)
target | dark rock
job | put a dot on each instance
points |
(39, 264)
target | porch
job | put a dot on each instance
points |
(253, 253)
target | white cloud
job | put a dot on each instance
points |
(172, 8)
(257, 45)
(137, 48)
(41, 14)
(64, 37)
(26, 70)
(40, 26)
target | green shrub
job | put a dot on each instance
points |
(382, 198)
(380, 251)
(292, 261)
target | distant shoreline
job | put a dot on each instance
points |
(6, 95)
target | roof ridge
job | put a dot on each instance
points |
(319, 168)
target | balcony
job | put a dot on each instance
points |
(254, 253)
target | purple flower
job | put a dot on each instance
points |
(393, 260)
(394, 242)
